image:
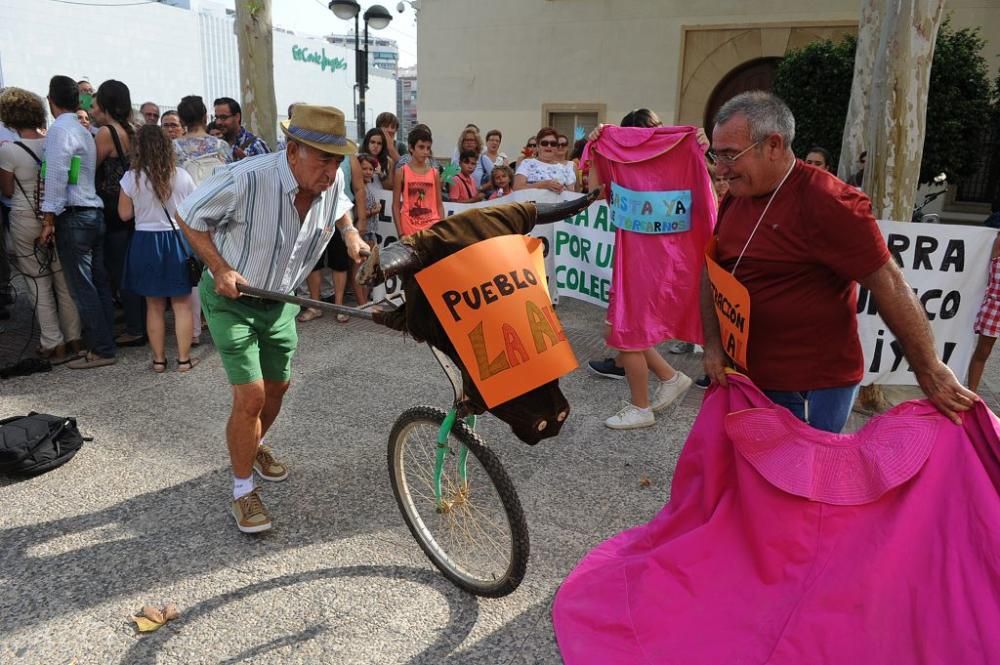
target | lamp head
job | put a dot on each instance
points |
(344, 9)
(378, 17)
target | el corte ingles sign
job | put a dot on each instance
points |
(301, 54)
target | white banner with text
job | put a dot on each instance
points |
(946, 265)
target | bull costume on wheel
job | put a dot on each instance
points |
(534, 415)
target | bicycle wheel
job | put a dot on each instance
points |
(478, 537)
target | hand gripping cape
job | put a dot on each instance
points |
(533, 416)
(785, 545)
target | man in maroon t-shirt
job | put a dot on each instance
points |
(799, 239)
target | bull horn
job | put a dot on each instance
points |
(547, 213)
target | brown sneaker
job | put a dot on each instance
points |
(250, 514)
(91, 360)
(267, 467)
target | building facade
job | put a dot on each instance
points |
(382, 53)
(165, 52)
(406, 99)
(571, 64)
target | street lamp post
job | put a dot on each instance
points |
(377, 17)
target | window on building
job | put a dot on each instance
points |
(573, 123)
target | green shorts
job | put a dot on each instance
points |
(256, 338)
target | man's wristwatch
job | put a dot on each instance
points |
(348, 227)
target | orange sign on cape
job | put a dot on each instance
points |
(493, 302)
(732, 308)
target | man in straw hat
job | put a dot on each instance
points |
(264, 222)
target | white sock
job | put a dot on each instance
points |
(672, 380)
(643, 409)
(242, 486)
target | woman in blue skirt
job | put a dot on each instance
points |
(156, 267)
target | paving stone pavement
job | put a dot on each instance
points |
(141, 514)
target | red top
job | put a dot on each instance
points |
(818, 238)
(418, 201)
(462, 189)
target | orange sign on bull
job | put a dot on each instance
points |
(492, 300)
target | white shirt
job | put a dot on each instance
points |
(149, 215)
(536, 171)
(250, 207)
(67, 138)
(16, 160)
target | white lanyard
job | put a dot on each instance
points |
(761, 219)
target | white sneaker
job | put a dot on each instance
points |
(630, 417)
(667, 393)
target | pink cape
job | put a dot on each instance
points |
(656, 281)
(782, 544)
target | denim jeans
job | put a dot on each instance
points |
(80, 243)
(133, 305)
(826, 409)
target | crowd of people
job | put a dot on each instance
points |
(108, 206)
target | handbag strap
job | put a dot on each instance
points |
(26, 197)
(174, 227)
(30, 152)
(38, 213)
(118, 143)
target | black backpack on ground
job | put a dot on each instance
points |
(37, 442)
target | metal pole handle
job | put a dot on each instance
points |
(355, 312)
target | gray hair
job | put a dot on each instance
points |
(766, 114)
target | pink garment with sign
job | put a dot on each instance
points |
(785, 545)
(656, 282)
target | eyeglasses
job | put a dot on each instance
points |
(729, 159)
(223, 117)
(563, 145)
(548, 144)
(532, 145)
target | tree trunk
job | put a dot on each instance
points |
(888, 110)
(853, 143)
(256, 47)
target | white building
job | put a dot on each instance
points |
(165, 52)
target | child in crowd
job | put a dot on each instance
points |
(156, 264)
(987, 324)
(369, 167)
(463, 188)
(502, 179)
(416, 194)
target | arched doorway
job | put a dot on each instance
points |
(754, 75)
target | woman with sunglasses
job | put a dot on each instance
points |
(546, 171)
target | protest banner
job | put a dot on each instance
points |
(579, 267)
(947, 267)
(491, 300)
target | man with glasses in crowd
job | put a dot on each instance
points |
(150, 113)
(298, 197)
(229, 118)
(799, 239)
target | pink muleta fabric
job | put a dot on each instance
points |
(656, 281)
(785, 545)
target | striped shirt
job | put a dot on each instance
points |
(249, 208)
(65, 140)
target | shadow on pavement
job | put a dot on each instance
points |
(64, 566)
(463, 611)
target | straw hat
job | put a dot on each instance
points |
(320, 127)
